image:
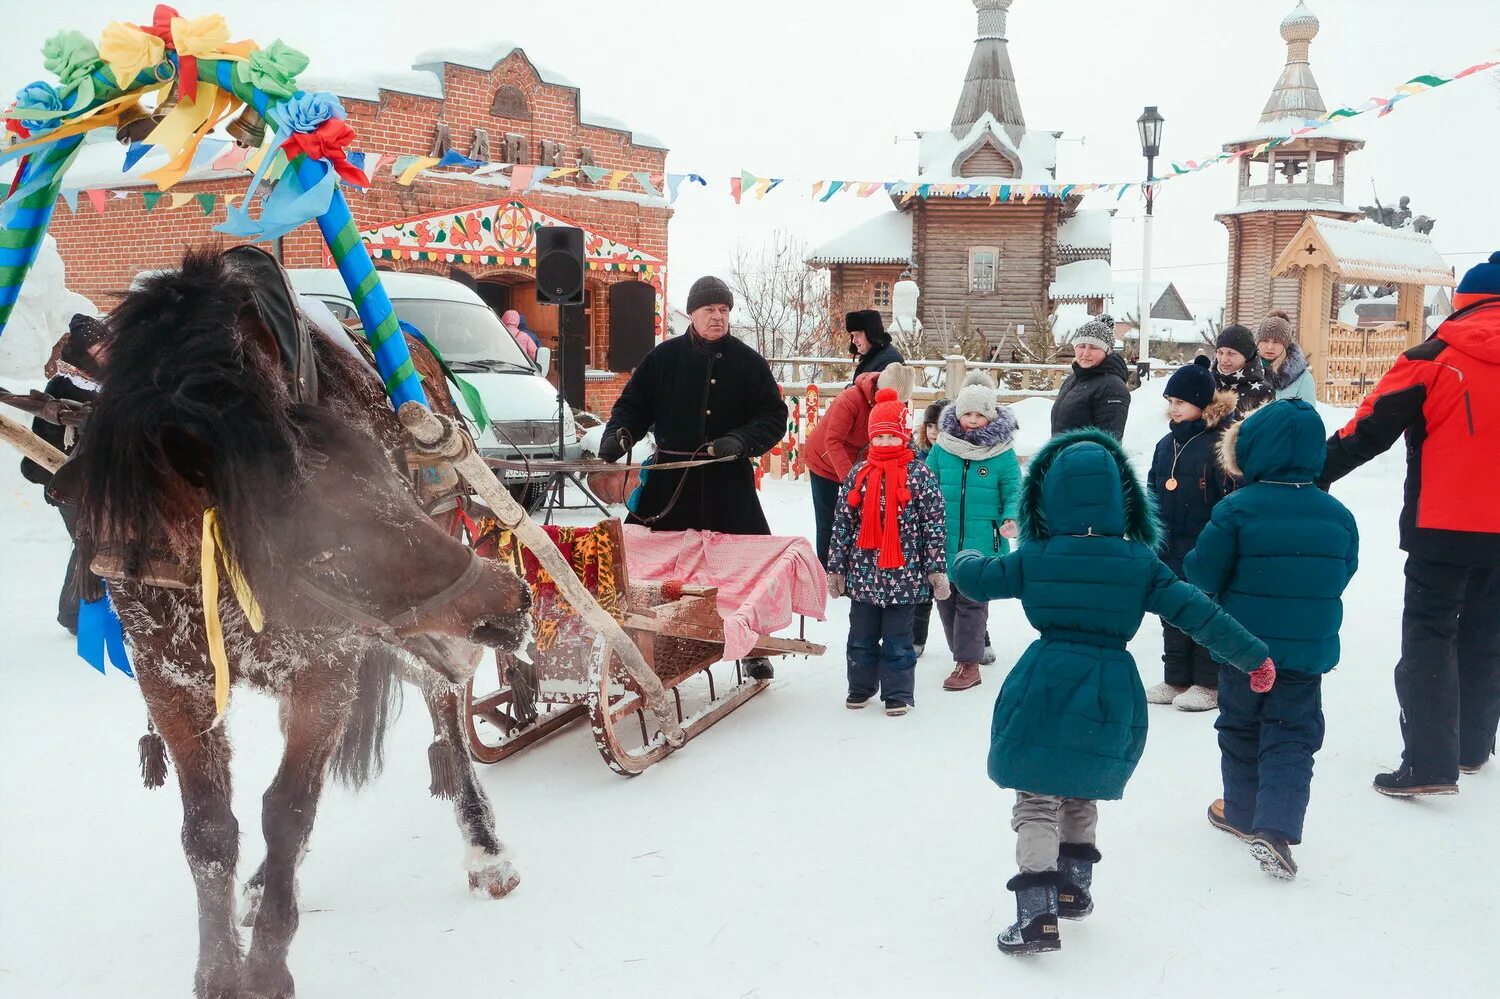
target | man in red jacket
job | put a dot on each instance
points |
(836, 442)
(1444, 395)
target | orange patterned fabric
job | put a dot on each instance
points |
(589, 550)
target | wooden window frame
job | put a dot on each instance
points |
(994, 283)
(883, 302)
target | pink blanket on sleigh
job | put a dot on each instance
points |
(762, 581)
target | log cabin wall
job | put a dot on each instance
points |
(1025, 236)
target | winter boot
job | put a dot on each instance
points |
(1035, 928)
(919, 648)
(988, 658)
(1274, 853)
(964, 676)
(1075, 875)
(1471, 768)
(1197, 698)
(854, 702)
(1163, 693)
(758, 668)
(1218, 821)
(1405, 784)
(896, 708)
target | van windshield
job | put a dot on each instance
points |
(462, 331)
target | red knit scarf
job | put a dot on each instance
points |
(885, 467)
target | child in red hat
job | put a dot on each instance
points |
(888, 555)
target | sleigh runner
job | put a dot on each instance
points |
(571, 675)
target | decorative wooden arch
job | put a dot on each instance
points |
(1326, 252)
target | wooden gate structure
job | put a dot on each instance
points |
(1347, 360)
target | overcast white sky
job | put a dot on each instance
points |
(809, 90)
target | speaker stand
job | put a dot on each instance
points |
(557, 482)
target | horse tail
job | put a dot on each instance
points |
(360, 753)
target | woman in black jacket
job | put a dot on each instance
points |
(1094, 395)
(869, 342)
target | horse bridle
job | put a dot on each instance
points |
(344, 609)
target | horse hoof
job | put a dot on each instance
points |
(495, 881)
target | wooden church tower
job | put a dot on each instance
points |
(1280, 187)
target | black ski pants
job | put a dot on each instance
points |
(1448, 679)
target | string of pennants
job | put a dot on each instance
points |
(406, 168)
(506, 259)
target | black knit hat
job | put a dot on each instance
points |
(933, 411)
(709, 290)
(868, 321)
(84, 333)
(1237, 338)
(1192, 383)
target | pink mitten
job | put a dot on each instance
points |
(1262, 678)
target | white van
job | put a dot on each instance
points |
(522, 404)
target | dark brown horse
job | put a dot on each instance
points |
(200, 413)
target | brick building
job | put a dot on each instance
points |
(496, 106)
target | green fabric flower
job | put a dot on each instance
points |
(72, 58)
(273, 69)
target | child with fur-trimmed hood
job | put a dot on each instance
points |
(1070, 723)
(1186, 480)
(975, 463)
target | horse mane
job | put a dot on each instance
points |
(192, 415)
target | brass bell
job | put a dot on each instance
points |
(248, 130)
(165, 107)
(135, 124)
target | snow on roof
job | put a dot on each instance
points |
(1174, 331)
(1367, 251)
(938, 152)
(425, 79)
(1087, 230)
(1069, 317)
(880, 239)
(368, 86)
(1281, 128)
(1082, 279)
(1291, 205)
(486, 58)
(101, 160)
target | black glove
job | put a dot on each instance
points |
(728, 446)
(612, 446)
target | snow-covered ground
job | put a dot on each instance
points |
(797, 849)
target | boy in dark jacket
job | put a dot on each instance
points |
(888, 555)
(1278, 554)
(1186, 481)
(927, 435)
(1070, 724)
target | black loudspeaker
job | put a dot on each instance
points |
(559, 265)
(632, 324)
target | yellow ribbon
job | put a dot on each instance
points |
(213, 543)
(104, 115)
(184, 127)
(128, 50)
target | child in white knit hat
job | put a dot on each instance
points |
(976, 466)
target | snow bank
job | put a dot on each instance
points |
(40, 317)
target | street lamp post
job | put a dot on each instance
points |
(1149, 125)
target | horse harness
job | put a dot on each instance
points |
(173, 575)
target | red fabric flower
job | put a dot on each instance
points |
(329, 141)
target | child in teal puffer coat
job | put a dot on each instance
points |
(976, 467)
(1070, 723)
(1278, 553)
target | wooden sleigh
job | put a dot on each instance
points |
(573, 675)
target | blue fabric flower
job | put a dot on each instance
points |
(39, 96)
(305, 112)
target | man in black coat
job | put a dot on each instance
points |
(79, 363)
(1094, 395)
(869, 343)
(1239, 369)
(705, 394)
